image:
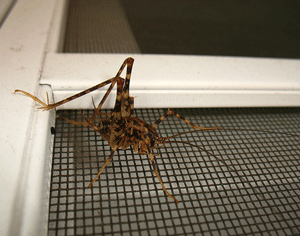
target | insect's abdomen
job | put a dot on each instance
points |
(128, 131)
(140, 134)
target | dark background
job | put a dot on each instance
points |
(264, 28)
(233, 28)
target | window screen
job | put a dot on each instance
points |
(235, 183)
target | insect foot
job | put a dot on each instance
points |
(44, 106)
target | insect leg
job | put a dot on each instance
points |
(120, 82)
(127, 101)
(75, 122)
(97, 110)
(105, 164)
(117, 109)
(158, 176)
(127, 62)
(170, 112)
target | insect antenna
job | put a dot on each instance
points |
(232, 169)
(229, 129)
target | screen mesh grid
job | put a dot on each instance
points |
(255, 193)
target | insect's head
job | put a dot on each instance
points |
(157, 141)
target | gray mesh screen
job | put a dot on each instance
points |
(257, 195)
(95, 26)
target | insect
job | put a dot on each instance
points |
(121, 129)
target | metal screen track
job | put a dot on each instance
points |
(257, 195)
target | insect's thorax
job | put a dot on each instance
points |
(128, 131)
